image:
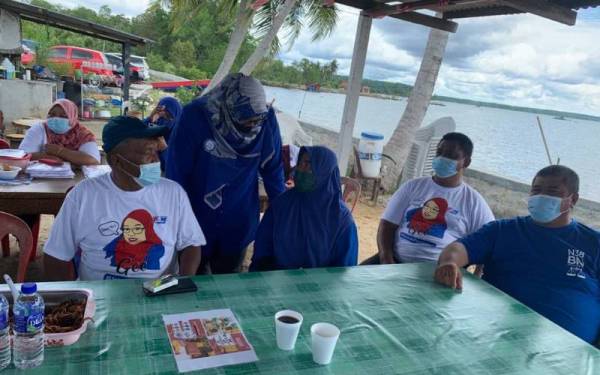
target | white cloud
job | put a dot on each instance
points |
(129, 8)
(520, 59)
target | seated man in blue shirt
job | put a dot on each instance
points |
(547, 260)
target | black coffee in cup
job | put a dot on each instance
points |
(288, 319)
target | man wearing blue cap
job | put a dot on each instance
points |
(221, 145)
(129, 223)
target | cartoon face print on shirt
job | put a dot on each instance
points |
(429, 219)
(138, 247)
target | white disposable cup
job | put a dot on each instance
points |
(324, 337)
(287, 333)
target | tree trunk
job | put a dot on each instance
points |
(265, 44)
(243, 20)
(401, 141)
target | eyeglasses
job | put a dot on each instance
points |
(135, 230)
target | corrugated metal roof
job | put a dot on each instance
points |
(467, 8)
(48, 17)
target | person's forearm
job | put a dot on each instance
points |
(455, 253)
(76, 157)
(39, 155)
(57, 270)
(385, 242)
(189, 260)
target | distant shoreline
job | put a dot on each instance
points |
(436, 99)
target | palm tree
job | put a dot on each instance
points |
(187, 9)
(291, 15)
(267, 40)
(400, 143)
(268, 20)
(243, 21)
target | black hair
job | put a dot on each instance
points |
(566, 174)
(464, 142)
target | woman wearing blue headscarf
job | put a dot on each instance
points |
(309, 225)
(167, 113)
(223, 141)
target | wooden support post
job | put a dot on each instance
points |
(357, 67)
(126, 58)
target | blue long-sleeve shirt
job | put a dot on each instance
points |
(229, 218)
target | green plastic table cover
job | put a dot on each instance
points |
(394, 320)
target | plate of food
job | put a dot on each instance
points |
(67, 314)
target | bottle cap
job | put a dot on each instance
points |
(29, 288)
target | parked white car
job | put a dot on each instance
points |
(137, 63)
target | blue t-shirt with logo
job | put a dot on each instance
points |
(554, 271)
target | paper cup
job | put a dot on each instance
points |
(287, 333)
(324, 337)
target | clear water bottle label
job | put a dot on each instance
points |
(29, 324)
(3, 319)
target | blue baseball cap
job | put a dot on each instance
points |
(121, 128)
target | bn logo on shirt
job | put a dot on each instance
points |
(575, 263)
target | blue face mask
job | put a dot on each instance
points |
(149, 173)
(58, 125)
(544, 208)
(444, 167)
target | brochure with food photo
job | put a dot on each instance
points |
(206, 339)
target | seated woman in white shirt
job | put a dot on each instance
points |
(62, 137)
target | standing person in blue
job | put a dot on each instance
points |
(167, 113)
(547, 260)
(223, 141)
(308, 226)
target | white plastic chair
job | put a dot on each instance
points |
(291, 131)
(424, 148)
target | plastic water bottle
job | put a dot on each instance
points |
(4, 338)
(28, 348)
(9, 68)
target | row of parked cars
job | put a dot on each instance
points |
(89, 61)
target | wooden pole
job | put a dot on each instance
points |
(126, 58)
(357, 67)
(544, 139)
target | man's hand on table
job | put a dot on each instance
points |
(449, 274)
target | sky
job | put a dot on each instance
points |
(519, 59)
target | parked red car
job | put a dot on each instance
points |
(86, 60)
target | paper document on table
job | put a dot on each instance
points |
(207, 339)
(91, 171)
(41, 170)
(12, 153)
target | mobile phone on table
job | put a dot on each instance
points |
(184, 285)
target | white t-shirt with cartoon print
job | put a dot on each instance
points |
(431, 216)
(124, 234)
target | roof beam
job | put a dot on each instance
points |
(544, 9)
(55, 19)
(405, 7)
(429, 21)
(414, 17)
